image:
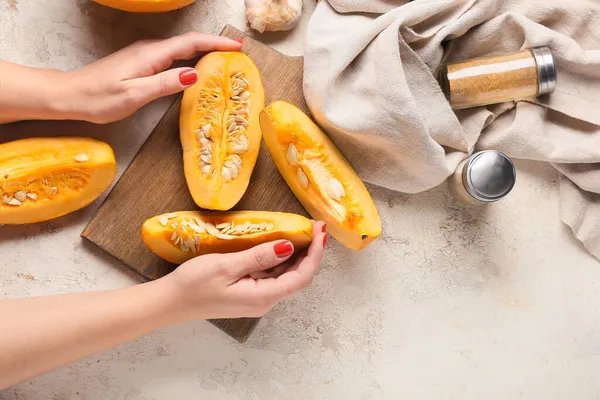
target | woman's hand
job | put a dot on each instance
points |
(109, 89)
(118, 85)
(42, 333)
(244, 284)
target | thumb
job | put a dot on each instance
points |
(165, 83)
(262, 257)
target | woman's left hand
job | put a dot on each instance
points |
(116, 86)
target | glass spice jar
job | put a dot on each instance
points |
(489, 80)
(485, 177)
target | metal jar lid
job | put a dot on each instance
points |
(546, 70)
(489, 175)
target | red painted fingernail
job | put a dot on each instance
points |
(283, 249)
(323, 227)
(240, 41)
(188, 77)
(324, 240)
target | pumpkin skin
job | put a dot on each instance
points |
(352, 219)
(47, 171)
(145, 5)
(206, 117)
(158, 236)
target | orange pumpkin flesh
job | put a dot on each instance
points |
(219, 129)
(145, 5)
(180, 236)
(45, 178)
(319, 175)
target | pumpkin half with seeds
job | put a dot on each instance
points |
(219, 128)
(145, 5)
(319, 175)
(180, 236)
(45, 178)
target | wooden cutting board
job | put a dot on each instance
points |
(154, 182)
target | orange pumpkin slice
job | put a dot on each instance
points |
(180, 236)
(319, 175)
(45, 178)
(145, 5)
(219, 129)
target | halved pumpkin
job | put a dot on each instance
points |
(46, 178)
(319, 175)
(180, 236)
(145, 5)
(220, 131)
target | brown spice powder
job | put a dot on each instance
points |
(491, 80)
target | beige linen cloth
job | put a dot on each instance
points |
(370, 81)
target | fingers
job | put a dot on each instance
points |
(260, 258)
(291, 263)
(143, 90)
(300, 275)
(184, 47)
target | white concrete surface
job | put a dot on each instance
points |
(450, 303)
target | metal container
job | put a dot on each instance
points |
(484, 177)
(488, 80)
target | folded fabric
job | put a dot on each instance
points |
(370, 82)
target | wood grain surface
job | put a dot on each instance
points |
(154, 182)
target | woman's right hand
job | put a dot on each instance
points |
(110, 89)
(244, 284)
(116, 86)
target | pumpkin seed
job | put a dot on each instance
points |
(223, 236)
(81, 157)
(200, 223)
(292, 154)
(197, 228)
(171, 215)
(226, 174)
(183, 247)
(223, 225)
(211, 229)
(163, 220)
(53, 190)
(14, 202)
(302, 178)
(335, 189)
(174, 235)
(21, 196)
(32, 196)
(236, 160)
(189, 242)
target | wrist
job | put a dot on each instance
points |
(64, 98)
(33, 93)
(170, 304)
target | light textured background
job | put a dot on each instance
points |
(451, 302)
